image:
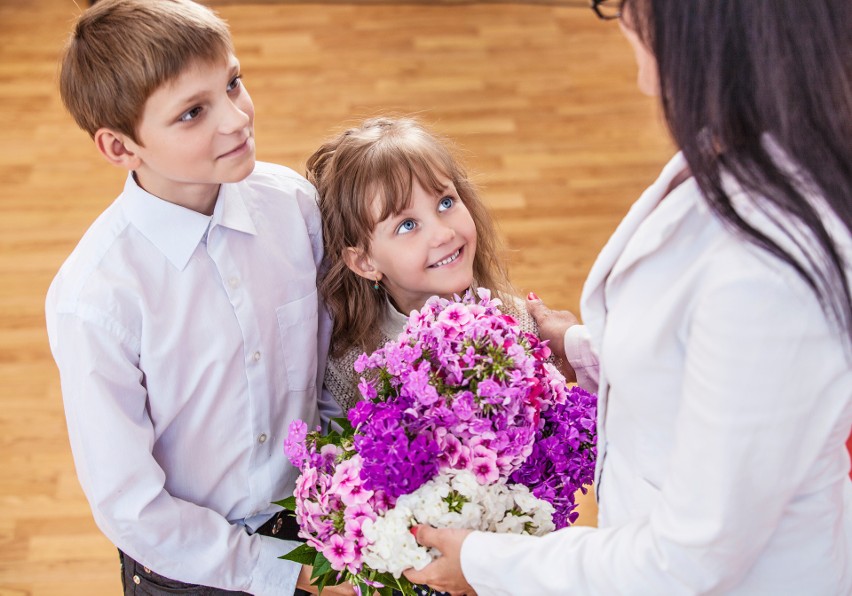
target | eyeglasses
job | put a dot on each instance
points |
(605, 9)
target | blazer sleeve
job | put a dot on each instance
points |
(765, 391)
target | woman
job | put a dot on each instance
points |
(718, 327)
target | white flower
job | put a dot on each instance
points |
(512, 524)
(524, 499)
(465, 483)
(475, 507)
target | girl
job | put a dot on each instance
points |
(401, 223)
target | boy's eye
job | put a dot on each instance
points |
(190, 114)
(446, 203)
(407, 226)
(235, 83)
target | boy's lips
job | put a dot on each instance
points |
(450, 258)
(239, 149)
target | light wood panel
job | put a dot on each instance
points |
(541, 100)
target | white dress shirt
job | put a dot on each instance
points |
(186, 344)
(725, 402)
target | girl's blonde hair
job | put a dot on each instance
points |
(379, 160)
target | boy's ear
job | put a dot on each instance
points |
(118, 149)
(360, 263)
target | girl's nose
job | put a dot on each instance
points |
(443, 235)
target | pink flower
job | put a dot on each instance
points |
(484, 465)
(347, 483)
(360, 512)
(455, 317)
(329, 453)
(354, 531)
(367, 389)
(305, 483)
(463, 461)
(354, 494)
(450, 449)
(339, 551)
(294, 444)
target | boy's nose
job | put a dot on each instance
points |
(235, 119)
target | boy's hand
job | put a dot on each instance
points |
(552, 325)
(304, 583)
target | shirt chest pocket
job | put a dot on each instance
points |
(297, 327)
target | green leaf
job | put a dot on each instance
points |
(385, 578)
(343, 423)
(303, 554)
(322, 583)
(289, 503)
(321, 566)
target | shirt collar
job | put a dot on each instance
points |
(175, 230)
(231, 210)
(394, 321)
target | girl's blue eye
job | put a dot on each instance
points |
(446, 203)
(407, 226)
(235, 83)
(190, 114)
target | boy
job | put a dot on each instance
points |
(185, 324)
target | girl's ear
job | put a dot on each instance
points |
(118, 149)
(360, 263)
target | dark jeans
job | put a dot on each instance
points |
(141, 581)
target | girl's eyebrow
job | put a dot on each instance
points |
(390, 220)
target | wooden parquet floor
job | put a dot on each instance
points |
(540, 99)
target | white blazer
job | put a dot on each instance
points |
(725, 399)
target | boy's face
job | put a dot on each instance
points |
(196, 132)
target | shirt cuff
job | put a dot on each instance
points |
(582, 357)
(273, 576)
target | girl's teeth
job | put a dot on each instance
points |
(448, 260)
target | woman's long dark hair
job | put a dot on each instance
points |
(734, 72)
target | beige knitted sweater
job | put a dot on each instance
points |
(341, 380)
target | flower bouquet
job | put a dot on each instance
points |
(464, 424)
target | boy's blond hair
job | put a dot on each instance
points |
(121, 51)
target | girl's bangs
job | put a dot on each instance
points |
(395, 171)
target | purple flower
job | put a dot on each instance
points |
(563, 456)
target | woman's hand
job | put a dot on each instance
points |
(304, 583)
(552, 325)
(444, 573)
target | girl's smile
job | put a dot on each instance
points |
(425, 250)
(450, 259)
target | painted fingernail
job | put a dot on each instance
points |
(532, 296)
(413, 530)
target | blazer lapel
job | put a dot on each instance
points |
(592, 300)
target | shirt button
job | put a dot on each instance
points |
(234, 282)
(136, 580)
(256, 356)
(262, 438)
(146, 570)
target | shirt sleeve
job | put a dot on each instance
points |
(582, 357)
(765, 385)
(112, 440)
